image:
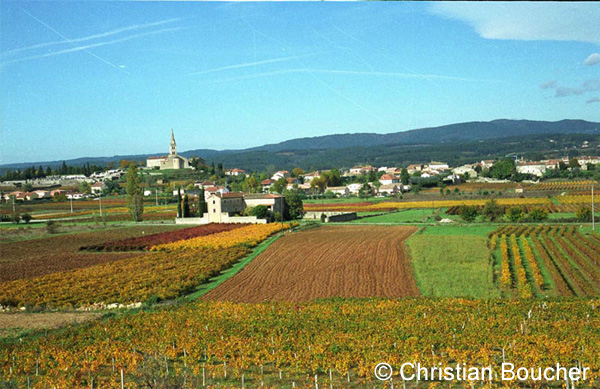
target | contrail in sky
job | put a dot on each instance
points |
(249, 64)
(84, 48)
(355, 72)
(87, 38)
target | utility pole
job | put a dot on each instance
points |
(156, 195)
(100, 203)
(593, 211)
(71, 203)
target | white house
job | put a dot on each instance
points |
(535, 168)
(354, 188)
(41, 194)
(461, 170)
(389, 189)
(308, 177)
(280, 174)
(356, 170)
(98, 187)
(75, 196)
(438, 165)
(266, 184)
(339, 190)
(235, 172)
(212, 190)
(387, 179)
(415, 167)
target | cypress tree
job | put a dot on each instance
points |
(135, 195)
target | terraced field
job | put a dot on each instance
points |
(332, 261)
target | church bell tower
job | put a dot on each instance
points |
(173, 148)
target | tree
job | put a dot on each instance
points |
(491, 210)
(279, 185)
(26, 218)
(293, 205)
(573, 163)
(404, 176)
(260, 211)
(298, 171)
(85, 187)
(202, 206)
(562, 166)
(318, 183)
(186, 206)
(503, 169)
(365, 191)
(332, 177)
(583, 214)
(538, 214)
(16, 218)
(376, 185)
(135, 194)
(59, 197)
(250, 184)
(515, 214)
(469, 213)
(179, 209)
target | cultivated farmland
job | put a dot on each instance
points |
(546, 260)
(51, 254)
(332, 261)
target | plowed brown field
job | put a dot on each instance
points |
(330, 261)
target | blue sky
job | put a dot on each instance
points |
(103, 78)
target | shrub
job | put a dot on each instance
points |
(538, 214)
(26, 217)
(492, 210)
(469, 213)
(583, 214)
(515, 214)
(51, 227)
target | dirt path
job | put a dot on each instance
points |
(11, 323)
(331, 261)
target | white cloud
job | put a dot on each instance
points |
(592, 85)
(592, 60)
(527, 21)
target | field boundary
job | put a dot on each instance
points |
(212, 283)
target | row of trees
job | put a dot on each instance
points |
(32, 172)
(492, 212)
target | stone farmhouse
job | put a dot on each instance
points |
(227, 208)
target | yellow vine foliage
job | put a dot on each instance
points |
(249, 236)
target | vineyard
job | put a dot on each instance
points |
(574, 185)
(162, 274)
(391, 206)
(538, 261)
(147, 241)
(566, 207)
(57, 253)
(327, 343)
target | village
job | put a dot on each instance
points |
(237, 189)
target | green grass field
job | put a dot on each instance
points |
(409, 215)
(453, 262)
(346, 200)
(460, 230)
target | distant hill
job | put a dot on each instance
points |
(365, 147)
(459, 132)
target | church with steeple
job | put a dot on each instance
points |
(171, 161)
